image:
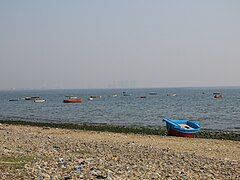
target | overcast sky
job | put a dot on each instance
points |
(119, 43)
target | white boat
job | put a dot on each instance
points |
(91, 98)
(39, 100)
(72, 97)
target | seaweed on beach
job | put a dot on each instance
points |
(207, 134)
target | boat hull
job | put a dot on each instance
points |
(72, 101)
(39, 100)
(172, 132)
(182, 128)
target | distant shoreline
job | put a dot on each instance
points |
(123, 88)
(161, 131)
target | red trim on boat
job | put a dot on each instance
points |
(179, 134)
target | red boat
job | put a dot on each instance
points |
(79, 100)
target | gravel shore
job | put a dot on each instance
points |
(49, 153)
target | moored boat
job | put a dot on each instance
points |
(13, 99)
(91, 98)
(72, 97)
(75, 100)
(126, 94)
(39, 100)
(182, 128)
(32, 98)
(217, 95)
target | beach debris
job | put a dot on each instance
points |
(62, 163)
(99, 174)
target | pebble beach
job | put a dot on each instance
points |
(29, 152)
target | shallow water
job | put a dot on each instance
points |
(189, 103)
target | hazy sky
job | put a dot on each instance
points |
(119, 43)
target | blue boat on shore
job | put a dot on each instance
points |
(182, 128)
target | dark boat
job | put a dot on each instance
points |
(13, 99)
(217, 95)
(152, 93)
(126, 94)
(32, 98)
(182, 128)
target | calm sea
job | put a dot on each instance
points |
(189, 103)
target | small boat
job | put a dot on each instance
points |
(32, 98)
(72, 97)
(217, 95)
(182, 128)
(91, 98)
(152, 93)
(173, 95)
(70, 100)
(126, 94)
(143, 97)
(27, 98)
(13, 99)
(39, 100)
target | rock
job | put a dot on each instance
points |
(99, 174)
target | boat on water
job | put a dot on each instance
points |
(126, 94)
(13, 99)
(32, 98)
(173, 95)
(72, 97)
(217, 95)
(182, 128)
(39, 100)
(152, 93)
(73, 100)
(91, 98)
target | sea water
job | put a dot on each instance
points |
(188, 103)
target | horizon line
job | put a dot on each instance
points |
(166, 87)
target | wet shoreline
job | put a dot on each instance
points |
(161, 131)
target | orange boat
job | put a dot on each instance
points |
(79, 100)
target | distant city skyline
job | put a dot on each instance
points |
(119, 44)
